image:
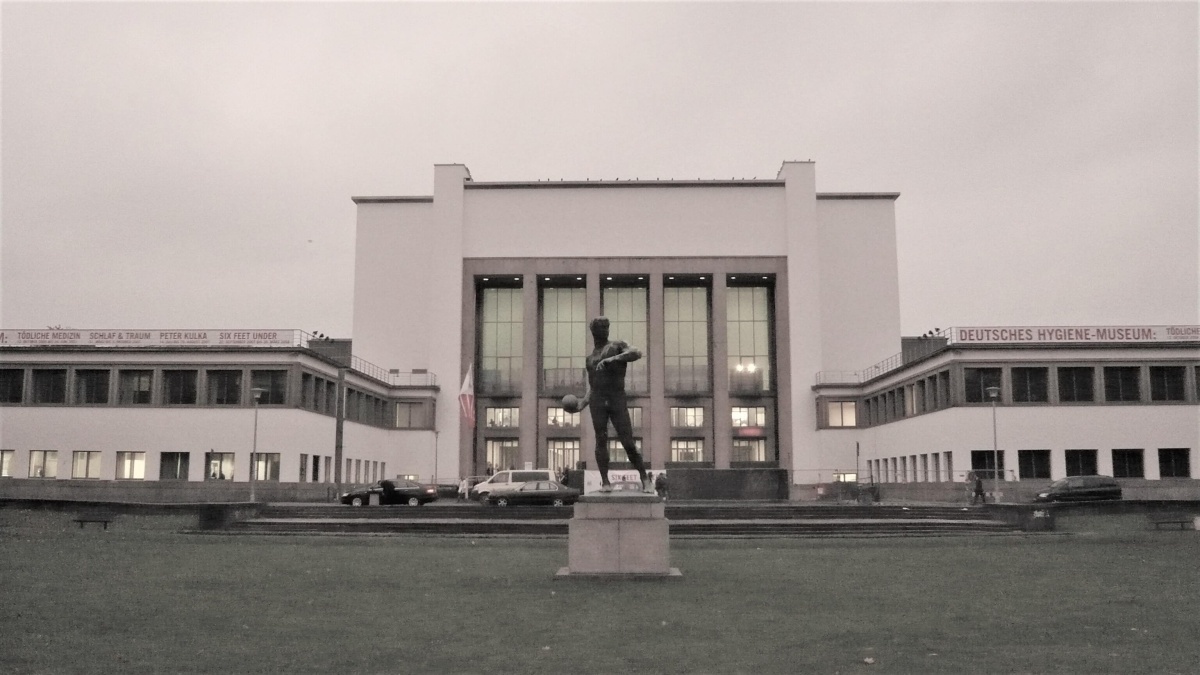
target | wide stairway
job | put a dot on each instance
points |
(686, 519)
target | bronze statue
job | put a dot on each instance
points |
(605, 372)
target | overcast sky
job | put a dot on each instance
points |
(191, 165)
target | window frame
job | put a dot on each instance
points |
(129, 462)
(92, 463)
(1127, 391)
(12, 389)
(48, 460)
(176, 388)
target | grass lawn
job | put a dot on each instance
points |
(1111, 597)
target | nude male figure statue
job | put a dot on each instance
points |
(605, 370)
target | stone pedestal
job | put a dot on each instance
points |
(618, 535)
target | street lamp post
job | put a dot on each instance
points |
(994, 394)
(257, 392)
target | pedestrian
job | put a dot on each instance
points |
(977, 492)
(660, 484)
(462, 490)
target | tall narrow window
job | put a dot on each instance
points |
(1076, 384)
(91, 386)
(562, 454)
(6, 463)
(685, 332)
(500, 340)
(564, 338)
(131, 466)
(748, 328)
(626, 310)
(12, 385)
(85, 464)
(1029, 385)
(502, 454)
(224, 387)
(50, 386)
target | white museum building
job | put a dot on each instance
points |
(768, 313)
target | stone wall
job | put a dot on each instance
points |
(163, 492)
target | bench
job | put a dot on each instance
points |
(94, 517)
(1183, 520)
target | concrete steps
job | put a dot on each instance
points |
(685, 520)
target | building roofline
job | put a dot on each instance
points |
(632, 183)
(393, 200)
(858, 195)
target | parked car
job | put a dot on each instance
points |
(535, 493)
(509, 480)
(1081, 488)
(627, 486)
(391, 492)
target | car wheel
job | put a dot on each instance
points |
(501, 501)
(413, 501)
(357, 501)
(559, 501)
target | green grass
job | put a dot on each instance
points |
(1110, 597)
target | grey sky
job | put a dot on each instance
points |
(191, 165)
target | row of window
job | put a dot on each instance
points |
(1077, 384)
(1016, 385)
(561, 454)
(209, 386)
(138, 386)
(218, 466)
(1031, 464)
(691, 417)
(686, 348)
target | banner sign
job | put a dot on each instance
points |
(1011, 335)
(148, 338)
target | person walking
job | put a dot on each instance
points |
(977, 492)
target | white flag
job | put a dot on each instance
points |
(466, 396)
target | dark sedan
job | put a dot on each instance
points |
(536, 493)
(1081, 488)
(392, 492)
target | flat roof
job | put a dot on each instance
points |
(631, 183)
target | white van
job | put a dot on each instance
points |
(509, 480)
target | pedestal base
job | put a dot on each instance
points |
(618, 536)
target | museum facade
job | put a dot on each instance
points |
(768, 314)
